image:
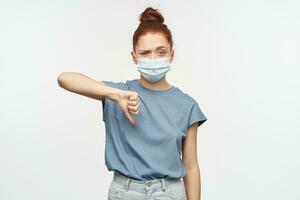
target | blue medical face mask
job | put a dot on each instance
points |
(153, 69)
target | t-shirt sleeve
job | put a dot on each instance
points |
(195, 114)
(106, 102)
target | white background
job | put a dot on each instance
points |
(238, 59)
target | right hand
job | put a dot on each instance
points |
(129, 103)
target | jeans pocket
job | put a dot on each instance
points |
(177, 191)
(115, 192)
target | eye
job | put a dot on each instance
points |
(162, 53)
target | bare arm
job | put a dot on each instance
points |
(192, 179)
(86, 86)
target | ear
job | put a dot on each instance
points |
(134, 59)
(172, 55)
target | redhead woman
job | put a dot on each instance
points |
(151, 125)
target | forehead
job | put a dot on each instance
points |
(151, 41)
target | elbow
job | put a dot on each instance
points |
(61, 79)
(192, 168)
(192, 165)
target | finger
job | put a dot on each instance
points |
(132, 103)
(134, 108)
(130, 118)
(134, 97)
(135, 112)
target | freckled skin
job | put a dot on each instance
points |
(152, 43)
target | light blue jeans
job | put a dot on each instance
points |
(126, 188)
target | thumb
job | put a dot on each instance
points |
(130, 118)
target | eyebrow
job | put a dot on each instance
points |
(160, 47)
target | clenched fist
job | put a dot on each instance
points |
(129, 103)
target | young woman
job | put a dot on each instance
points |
(149, 123)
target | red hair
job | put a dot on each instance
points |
(151, 21)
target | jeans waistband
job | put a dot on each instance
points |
(143, 185)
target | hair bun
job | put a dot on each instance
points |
(151, 14)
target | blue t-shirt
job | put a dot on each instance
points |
(152, 147)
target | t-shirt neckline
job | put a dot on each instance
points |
(154, 91)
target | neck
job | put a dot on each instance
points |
(162, 84)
